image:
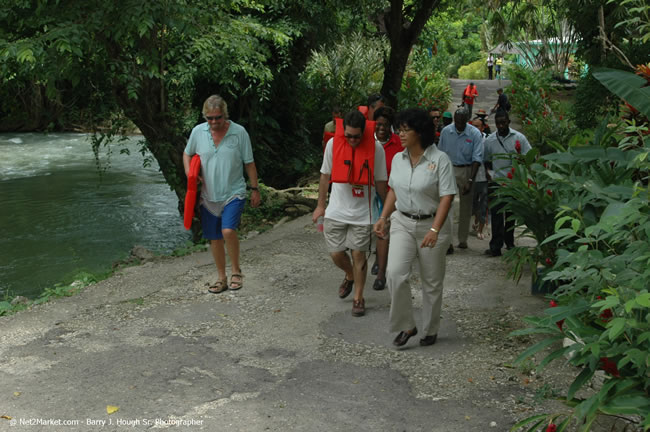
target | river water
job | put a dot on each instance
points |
(59, 216)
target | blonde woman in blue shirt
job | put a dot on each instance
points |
(422, 187)
(225, 151)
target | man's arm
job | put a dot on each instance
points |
(382, 188)
(251, 171)
(186, 163)
(323, 184)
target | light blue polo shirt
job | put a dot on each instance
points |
(497, 153)
(222, 167)
(463, 148)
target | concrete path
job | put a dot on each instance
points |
(487, 97)
(283, 353)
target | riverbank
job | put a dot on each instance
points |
(284, 353)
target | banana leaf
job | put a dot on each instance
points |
(627, 86)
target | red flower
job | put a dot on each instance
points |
(530, 122)
(518, 146)
(606, 315)
(545, 166)
(609, 366)
(549, 192)
(512, 170)
(510, 175)
(545, 113)
(553, 304)
(548, 262)
(425, 78)
(530, 182)
(551, 428)
(560, 117)
(513, 91)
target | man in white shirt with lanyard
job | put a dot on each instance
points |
(498, 148)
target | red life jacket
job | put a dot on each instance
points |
(354, 165)
(192, 189)
(363, 110)
(468, 94)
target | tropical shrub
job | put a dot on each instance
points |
(475, 70)
(600, 265)
(424, 91)
(544, 123)
(346, 73)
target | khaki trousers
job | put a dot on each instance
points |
(462, 175)
(406, 235)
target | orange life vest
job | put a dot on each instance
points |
(354, 165)
(469, 94)
(192, 189)
(363, 110)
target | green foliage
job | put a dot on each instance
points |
(425, 91)
(345, 73)
(601, 245)
(262, 218)
(457, 41)
(628, 86)
(474, 71)
(544, 122)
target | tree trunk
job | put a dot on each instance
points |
(402, 35)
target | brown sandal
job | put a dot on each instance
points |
(218, 287)
(236, 284)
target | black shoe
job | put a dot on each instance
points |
(404, 337)
(490, 252)
(379, 284)
(462, 246)
(450, 250)
(375, 269)
(509, 247)
(428, 340)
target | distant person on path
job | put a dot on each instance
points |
(330, 127)
(469, 95)
(490, 65)
(463, 144)
(353, 161)
(480, 192)
(375, 101)
(499, 147)
(422, 188)
(384, 136)
(447, 119)
(485, 127)
(225, 151)
(503, 104)
(435, 115)
(498, 63)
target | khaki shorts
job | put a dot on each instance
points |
(340, 236)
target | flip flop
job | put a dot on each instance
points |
(218, 287)
(236, 284)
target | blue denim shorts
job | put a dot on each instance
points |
(230, 219)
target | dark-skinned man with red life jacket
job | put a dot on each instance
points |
(469, 94)
(354, 163)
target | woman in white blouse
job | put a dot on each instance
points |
(422, 188)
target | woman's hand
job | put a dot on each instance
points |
(430, 239)
(380, 228)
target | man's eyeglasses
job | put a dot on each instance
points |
(435, 117)
(211, 118)
(404, 130)
(355, 137)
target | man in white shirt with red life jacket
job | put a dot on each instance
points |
(354, 163)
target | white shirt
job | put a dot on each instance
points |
(345, 205)
(418, 190)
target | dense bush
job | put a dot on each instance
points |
(424, 91)
(596, 250)
(544, 122)
(474, 71)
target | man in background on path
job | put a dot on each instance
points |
(352, 160)
(499, 149)
(375, 101)
(498, 63)
(469, 94)
(503, 104)
(463, 144)
(330, 127)
(490, 65)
